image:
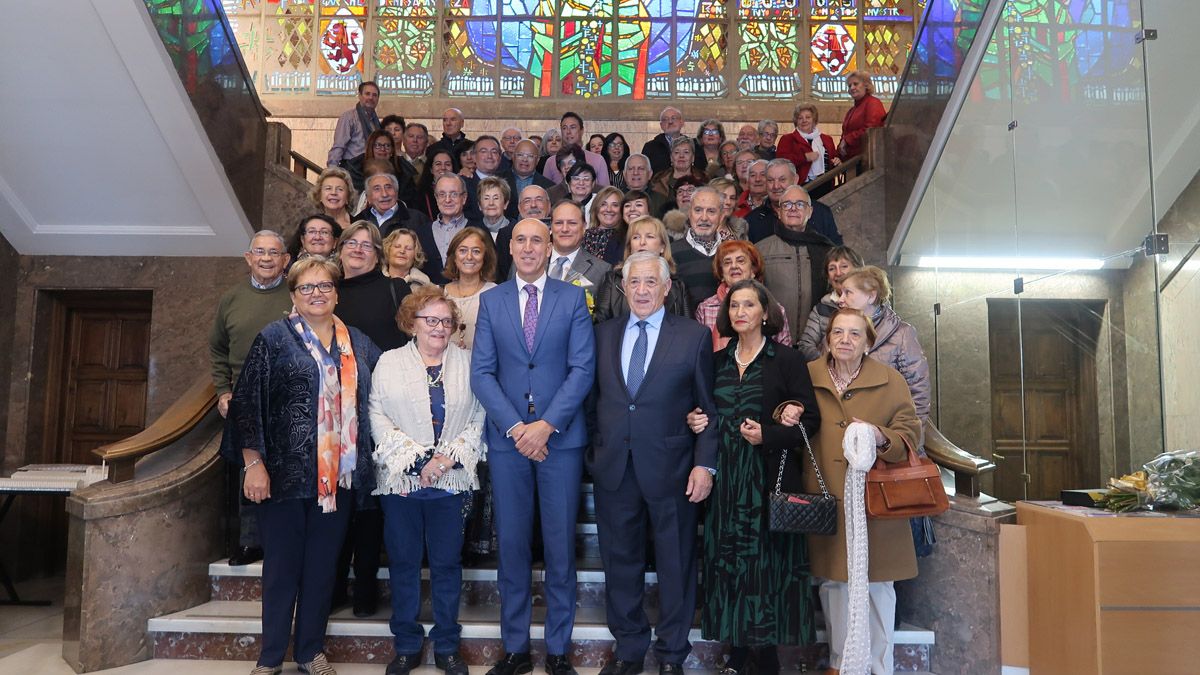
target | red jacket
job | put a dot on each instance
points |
(866, 113)
(794, 147)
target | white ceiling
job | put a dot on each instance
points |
(101, 152)
(1072, 180)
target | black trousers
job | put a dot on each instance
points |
(364, 543)
(621, 517)
(300, 547)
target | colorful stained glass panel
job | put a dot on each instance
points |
(288, 56)
(882, 54)
(769, 58)
(833, 10)
(404, 56)
(887, 10)
(700, 64)
(833, 53)
(526, 59)
(770, 9)
(585, 58)
(659, 50)
(469, 64)
(406, 8)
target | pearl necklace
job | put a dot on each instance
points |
(432, 382)
(756, 353)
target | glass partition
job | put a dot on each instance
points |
(1056, 339)
(205, 54)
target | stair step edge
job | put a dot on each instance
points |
(224, 569)
(247, 621)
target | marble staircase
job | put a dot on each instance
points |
(228, 626)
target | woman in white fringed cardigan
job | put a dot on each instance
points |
(428, 430)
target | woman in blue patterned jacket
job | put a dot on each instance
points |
(298, 425)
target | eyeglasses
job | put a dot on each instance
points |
(307, 289)
(319, 233)
(525, 155)
(533, 200)
(580, 180)
(433, 321)
(356, 244)
(266, 252)
(712, 132)
(794, 206)
(448, 195)
(382, 146)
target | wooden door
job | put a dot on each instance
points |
(106, 358)
(97, 361)
(1044, 426)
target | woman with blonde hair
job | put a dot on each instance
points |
(333, 194)
(866, 113)
(811, 151)
(645, 234)
(403, 257)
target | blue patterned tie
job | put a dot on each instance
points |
(531, 315)
(637, 361)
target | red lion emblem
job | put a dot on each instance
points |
(342, 51)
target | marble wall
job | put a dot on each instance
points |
(138, 550)
(185, 294)
(957, 592)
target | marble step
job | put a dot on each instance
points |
(230, 630)
(244, 582)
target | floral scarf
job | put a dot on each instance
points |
(337, 410)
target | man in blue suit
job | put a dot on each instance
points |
(653, 367)
(532, 367)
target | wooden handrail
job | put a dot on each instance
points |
(967, 468)
(175, 422)
(302, 165)
(834, 174)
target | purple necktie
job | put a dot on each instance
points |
(531, 313)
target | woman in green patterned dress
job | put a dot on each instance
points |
(755, 582)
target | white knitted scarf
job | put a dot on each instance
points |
(858, 447)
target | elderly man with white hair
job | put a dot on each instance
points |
(243, 311)
(658, 149)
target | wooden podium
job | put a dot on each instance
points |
(1111, 593)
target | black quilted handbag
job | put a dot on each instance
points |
(798, 512)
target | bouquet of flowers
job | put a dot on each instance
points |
(1169, 481)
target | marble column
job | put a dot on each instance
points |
(957, 592)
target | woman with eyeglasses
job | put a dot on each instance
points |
(316, 235)
(304, 475)
(615, 152)
(368, 301)
(708, 159)
(429, 429)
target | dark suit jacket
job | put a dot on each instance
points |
(651, 429)
(558, 373)
(785, 378)
(658, 151)
(403, 217)
(434, 263)
(762, 221)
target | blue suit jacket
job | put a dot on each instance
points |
(558, 374)
(651, 429)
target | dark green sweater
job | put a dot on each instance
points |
(243, 312)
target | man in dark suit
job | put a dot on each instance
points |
(524, 173)
(653, 367)
(385, 210)
(568, 261)
(532, 366)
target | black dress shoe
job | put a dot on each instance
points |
(403, 663)
(619, 667)
(452, 664)
(559, 665)
(670, 669)
(513, 664)
(246, 555)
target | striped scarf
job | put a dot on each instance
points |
(337, 410)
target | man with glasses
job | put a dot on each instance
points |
(794, 259)
(509, 138)
(450, 191)
(767, 131)
(243, 311)
(533, 203)
(487, 158)
(524, 174)
(571, 126)
(781, 174)
(658, 149)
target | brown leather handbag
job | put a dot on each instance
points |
(906, 489)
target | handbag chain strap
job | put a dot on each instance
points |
(811, 456)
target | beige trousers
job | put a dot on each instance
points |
(835, 603)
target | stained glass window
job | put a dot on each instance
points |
(573, 49)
